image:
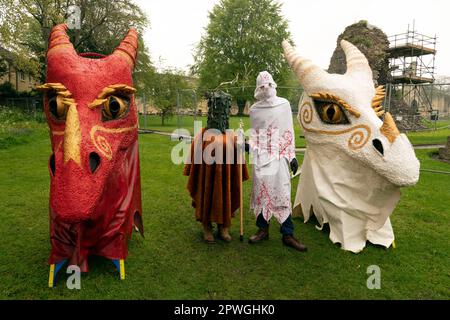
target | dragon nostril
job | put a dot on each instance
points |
(52, 164)
(378, 146)
(94, 161)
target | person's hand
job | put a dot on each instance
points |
(294, 166)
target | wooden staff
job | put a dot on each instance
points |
(240, 143)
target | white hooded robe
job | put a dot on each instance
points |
(272, 145)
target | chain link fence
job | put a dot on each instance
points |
(191, 105)
(414, 107)
(31, 106)
(418, 107)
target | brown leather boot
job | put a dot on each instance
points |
(291, 241)
(262, 234)
(208, 235)
(224, 234)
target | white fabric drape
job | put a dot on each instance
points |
(272, 145)
(354, 199)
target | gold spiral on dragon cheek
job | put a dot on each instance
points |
(104, 147)
(358, 139)
(101, 143)
(307, 113)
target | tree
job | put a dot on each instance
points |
(25, 26)
(167, 85)
(243, 38)
(144, 72)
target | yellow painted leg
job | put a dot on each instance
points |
(394, 246)
(51, 276)
(122, 269)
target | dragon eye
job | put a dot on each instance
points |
(57, 108)
(330, 113)
(115, 108)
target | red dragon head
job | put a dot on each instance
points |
(91, 112)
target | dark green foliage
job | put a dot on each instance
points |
(104, 24)
(243, 38)
(7, 90)
(166, 89)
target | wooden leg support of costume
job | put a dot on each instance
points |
(54, 269)
(120, 266)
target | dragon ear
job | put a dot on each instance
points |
(128, 47)
(59, 39)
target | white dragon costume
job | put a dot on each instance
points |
(356, 159)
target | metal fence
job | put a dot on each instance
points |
(32, 106)
(191, 105)
(417, 105)
(424, 103)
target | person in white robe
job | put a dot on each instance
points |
(272, 147)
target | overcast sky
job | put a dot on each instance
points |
(177, 25)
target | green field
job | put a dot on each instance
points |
(429, 137)
(172, 262)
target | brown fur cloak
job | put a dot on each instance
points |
(214, 188)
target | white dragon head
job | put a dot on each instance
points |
(344, 112)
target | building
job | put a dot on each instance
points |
(20, 80)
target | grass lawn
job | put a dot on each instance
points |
(441, 123)
(429, 137)
(172, 262)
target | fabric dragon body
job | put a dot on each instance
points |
(356, 159)
(95, 191)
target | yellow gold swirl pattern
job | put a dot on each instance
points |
(358, 139)
(101, 143)
(307, 112)
(103, 146)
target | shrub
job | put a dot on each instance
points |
(17, 126)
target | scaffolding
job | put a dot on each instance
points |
(412, 73)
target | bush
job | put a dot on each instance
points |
(17, 126)
(7, 90)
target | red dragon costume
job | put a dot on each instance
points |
(95, 191)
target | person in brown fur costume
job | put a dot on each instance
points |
(213, 171)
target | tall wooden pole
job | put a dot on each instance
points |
(241, 155)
